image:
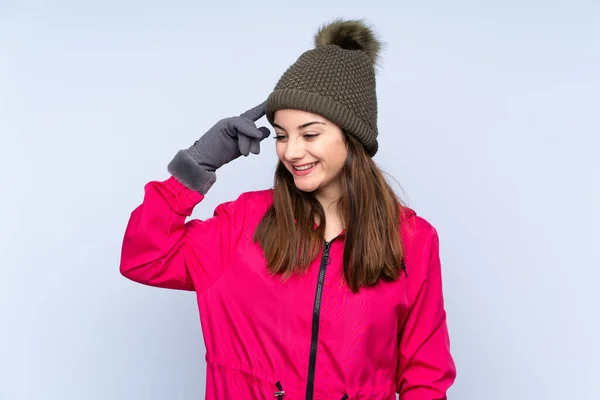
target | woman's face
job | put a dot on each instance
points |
(312, 148)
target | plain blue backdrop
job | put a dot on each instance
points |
(488, 121)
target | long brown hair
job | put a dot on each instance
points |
(369, 209)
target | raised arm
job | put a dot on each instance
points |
(160, 248)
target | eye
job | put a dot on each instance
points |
(310, 135)
(280, 137)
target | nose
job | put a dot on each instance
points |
(294, 149)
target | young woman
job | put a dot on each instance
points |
(323, 287)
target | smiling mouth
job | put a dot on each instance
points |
(305, 167)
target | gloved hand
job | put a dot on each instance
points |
(227, 140)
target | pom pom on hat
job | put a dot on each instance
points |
(349, 35)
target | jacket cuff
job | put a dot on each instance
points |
(180, 198)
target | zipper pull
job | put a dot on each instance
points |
(326, 259)
(279, 394)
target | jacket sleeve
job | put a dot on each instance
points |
(426, 369)
(160, 249)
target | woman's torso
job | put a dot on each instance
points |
(308, 331)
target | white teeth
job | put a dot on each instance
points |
(305, 167)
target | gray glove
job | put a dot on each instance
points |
(227, 140)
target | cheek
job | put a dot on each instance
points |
(340, 154)
(341, 161)
(280, 150)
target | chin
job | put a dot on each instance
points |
(308, 188)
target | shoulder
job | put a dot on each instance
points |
(250, 198)
(417, 231)
(248, 204)
(420, 244)
(257, 199)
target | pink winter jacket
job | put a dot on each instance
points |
(308, 337)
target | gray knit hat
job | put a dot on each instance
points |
(336, 80)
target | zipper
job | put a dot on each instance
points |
(312, 361)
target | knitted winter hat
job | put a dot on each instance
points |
(336, 80)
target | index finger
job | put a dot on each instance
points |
(255, 113)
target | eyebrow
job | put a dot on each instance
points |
(301, 126)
